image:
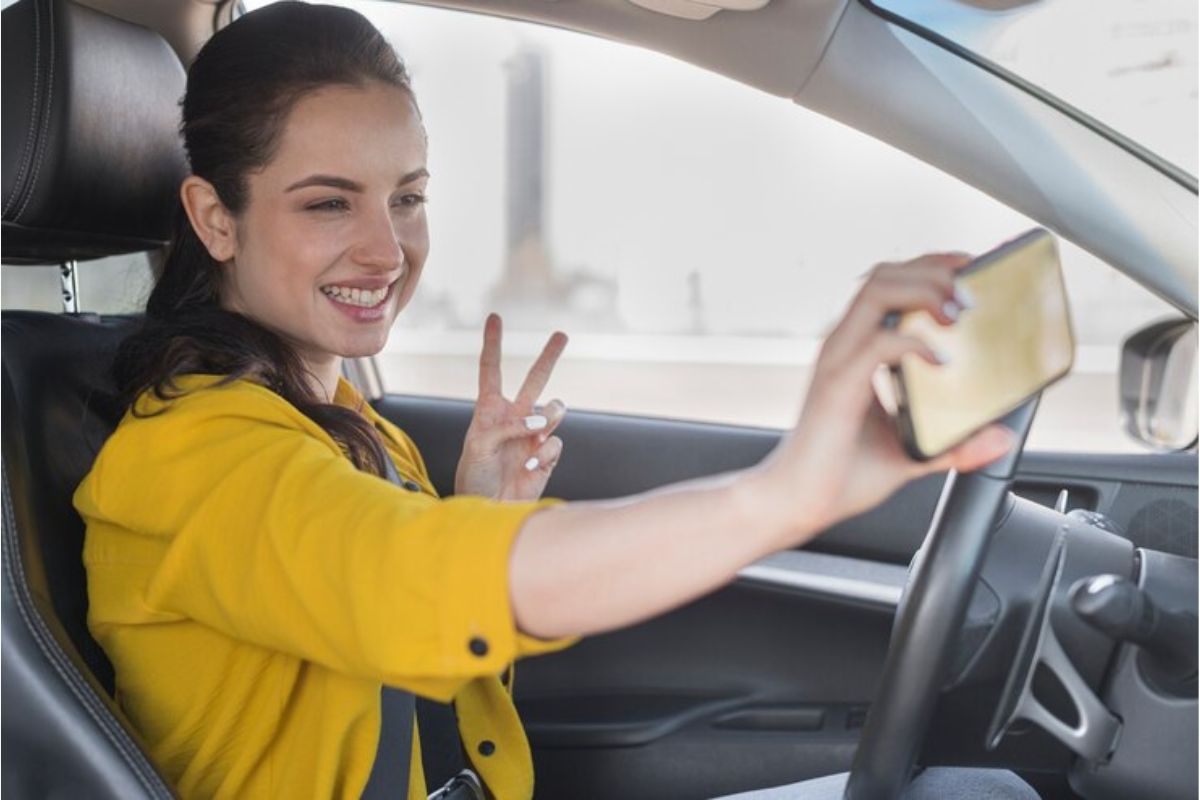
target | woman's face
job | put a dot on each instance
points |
(331, 242)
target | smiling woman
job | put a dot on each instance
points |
(352, 217)
(259, 187)
(269, 604)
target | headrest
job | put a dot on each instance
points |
(92, 156)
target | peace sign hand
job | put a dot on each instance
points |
(510, 450)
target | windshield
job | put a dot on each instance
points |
(1129, 65)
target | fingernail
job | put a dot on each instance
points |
(950, 310)
(963, 296)
(532, 464)
(941, 355)
(535, 422)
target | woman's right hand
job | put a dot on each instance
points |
(845, 456)
(586, 567)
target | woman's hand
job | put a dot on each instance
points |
(844, 456)
(510, 450)
(626, 560)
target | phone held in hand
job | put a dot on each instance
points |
(1014, 340)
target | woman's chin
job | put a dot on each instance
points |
(363, 347)
(361, 352)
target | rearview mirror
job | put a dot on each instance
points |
(1158, 385)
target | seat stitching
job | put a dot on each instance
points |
(15, 571)
(41, 152)
(29, 140)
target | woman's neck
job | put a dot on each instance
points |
(323, 377)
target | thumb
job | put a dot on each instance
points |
(980, 450)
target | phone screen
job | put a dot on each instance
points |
(1015, 340)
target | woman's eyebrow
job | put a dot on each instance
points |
(332, 181)
(335, 182)
(412, 176)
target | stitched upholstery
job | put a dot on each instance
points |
(91, 161)
(92, 156)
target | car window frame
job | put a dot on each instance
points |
(1133, 148)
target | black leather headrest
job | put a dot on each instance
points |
(91, 146)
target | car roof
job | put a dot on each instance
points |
(844, 59)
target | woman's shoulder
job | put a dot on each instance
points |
(195, 407)
(198, 424)
(199, 392)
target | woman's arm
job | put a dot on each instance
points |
(584, 568)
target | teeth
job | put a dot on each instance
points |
(356, 297)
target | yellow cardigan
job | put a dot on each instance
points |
(254, 590)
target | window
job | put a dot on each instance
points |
(695, 237)
(113, 285)
(1131, 65)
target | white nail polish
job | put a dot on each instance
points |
(941, 355)
(532, 464)
(963, 296)
(535, 422)
(950, 309)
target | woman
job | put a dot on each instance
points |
(254, 575)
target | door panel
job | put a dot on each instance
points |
(768, 680)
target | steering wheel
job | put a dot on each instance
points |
(931, 612)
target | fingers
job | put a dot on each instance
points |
(926, 283)
(539, 426)
(980, 450)
(547, 456)
(554, 412)
(846, 383)
(539, 373)
(489, 357)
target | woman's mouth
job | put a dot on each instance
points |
(363, 305)
(363, 298)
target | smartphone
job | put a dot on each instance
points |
(1014, 341)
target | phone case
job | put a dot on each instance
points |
(903, 416)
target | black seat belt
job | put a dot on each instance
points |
(441, 757)
(393, 757)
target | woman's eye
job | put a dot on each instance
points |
(332, 204)
(412, 200)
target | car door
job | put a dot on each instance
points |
(768, 680)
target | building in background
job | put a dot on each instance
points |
(533, 291)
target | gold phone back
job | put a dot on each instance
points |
(1015, 340)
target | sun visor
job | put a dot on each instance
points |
(690, 9)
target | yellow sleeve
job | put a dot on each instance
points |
(271, 536)
(526, 645)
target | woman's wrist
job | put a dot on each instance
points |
(767, 503)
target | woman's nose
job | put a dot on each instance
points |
(379, 242)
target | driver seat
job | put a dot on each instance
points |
(91, 163)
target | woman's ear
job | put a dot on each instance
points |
(213, 223)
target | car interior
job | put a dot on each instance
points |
(967, 621)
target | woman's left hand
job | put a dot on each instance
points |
(510, 449)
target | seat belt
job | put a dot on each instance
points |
(441, 746)
(442, 758)
(393, 757)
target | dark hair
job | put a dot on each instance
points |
(240, 89)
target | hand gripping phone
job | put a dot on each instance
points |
(1014, 341)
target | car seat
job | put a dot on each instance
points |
(91, 163)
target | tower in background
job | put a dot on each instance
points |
(532, 293)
